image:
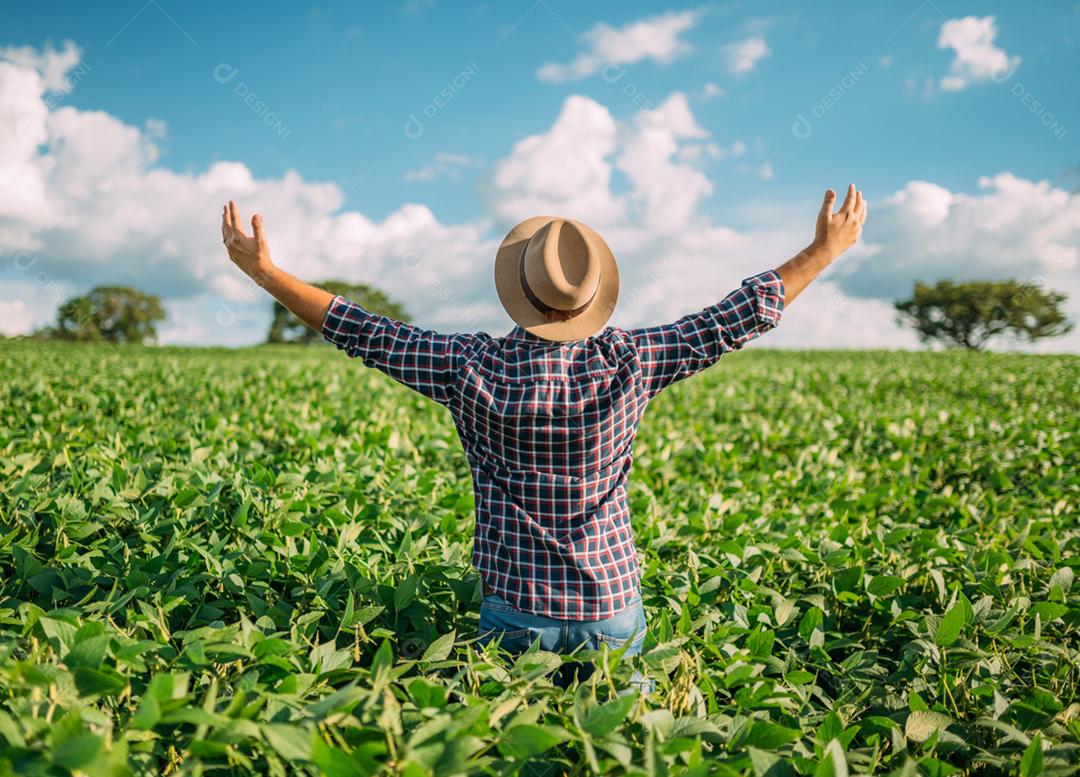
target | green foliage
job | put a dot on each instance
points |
(257, 561)
(111, 314)
(287, 328)
(970, 314)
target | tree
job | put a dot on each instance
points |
(287, 328)
(969, 314)
(112, 314)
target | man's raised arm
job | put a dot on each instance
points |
(834, 234)
(252, 255)
(425, 361)
(671, 352)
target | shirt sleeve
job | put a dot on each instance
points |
(425, 361)
(671, 352)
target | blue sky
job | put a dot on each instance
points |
(925, 104)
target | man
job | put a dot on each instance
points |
(547, 414)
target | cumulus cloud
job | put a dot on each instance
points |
(564, 170)
(742, 56)
(666, 190)
(976, 58)
(53, 66)
(568, 169)
(1010, 228)
(673, 257)
(657, 38)
(84, 200)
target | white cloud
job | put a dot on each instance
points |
(766, 172)
(83, 195)
(667, 190)
(824, 314)
(568, 170)
(564, 171)
(446, 165)
(52, 65)
(743, 56)
(711, 90)
(976, 58)
(1011, 228)
(673, 258)
(656, 38)
(15, 317)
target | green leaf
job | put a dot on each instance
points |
(766, 764)
(405, 593)
(950, 626)
(335, 763)
(440, 648)
(830, 728)
(885, 585)
(760, 643)
(78, 751)
(1048, 611)
(923, 724)
(384, 658)
(769, 736)
(148, 714)
(425, 693)
(528, 741)
(602, 719)
(73, 747)
(1031, 763)
(293, 743)
(98, 682)
(813, 619)
(834, 762)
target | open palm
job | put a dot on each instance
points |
(250, 253)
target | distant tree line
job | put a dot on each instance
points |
(121, 314)
(965, 315)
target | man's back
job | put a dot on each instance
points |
(548, 429)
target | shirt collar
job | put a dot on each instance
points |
(519, 333)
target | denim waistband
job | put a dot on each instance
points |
(495, 602)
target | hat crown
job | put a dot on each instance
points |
(560, 266)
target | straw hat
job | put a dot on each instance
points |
(556, 278)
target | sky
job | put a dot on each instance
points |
(396, 143)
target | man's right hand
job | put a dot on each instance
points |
(250, 254)
(837, 232)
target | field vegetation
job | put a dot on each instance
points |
(258, 561)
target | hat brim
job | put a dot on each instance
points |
(517, 305)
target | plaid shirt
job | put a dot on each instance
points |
(548, 429)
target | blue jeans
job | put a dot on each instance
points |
(516, 630)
